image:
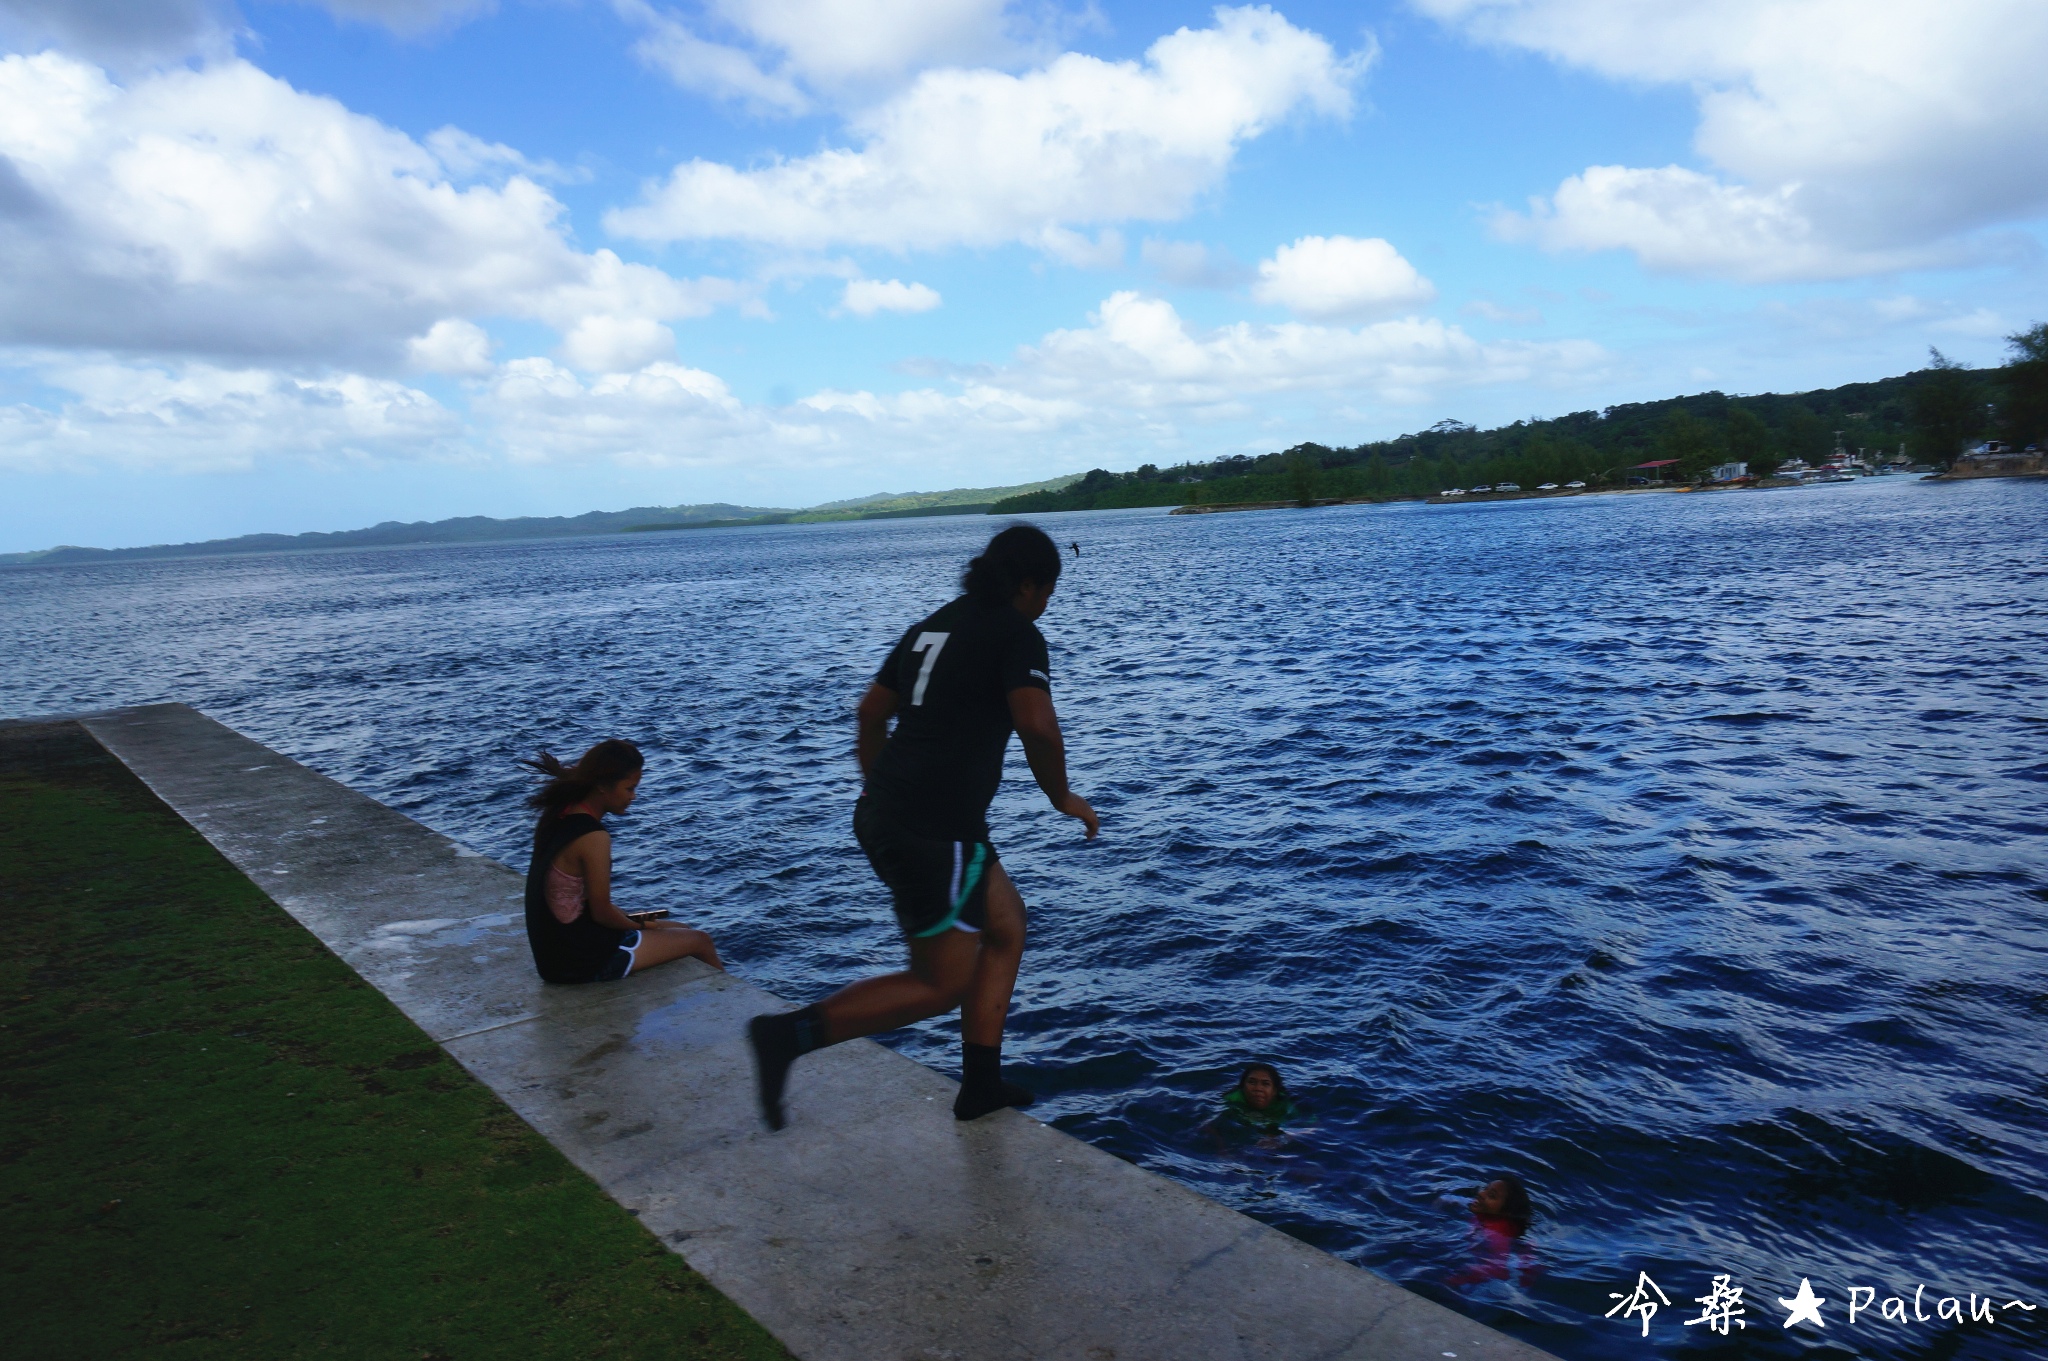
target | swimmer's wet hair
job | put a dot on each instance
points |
(605, 764)
(1515, 1205)
(1014, 556)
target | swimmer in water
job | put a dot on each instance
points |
(956, 685)
(1076, 546)
(1501, 1214)
(1504, 1202)
(1260, 1097)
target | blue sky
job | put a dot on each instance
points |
(291, 266)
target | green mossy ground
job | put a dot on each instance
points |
(217, 1141)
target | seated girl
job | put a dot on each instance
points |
(578, 935)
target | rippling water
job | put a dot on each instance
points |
(1686, 855)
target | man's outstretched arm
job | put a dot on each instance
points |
(1039, 727)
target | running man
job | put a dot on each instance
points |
(956, 685)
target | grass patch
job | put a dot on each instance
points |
(217, 1141)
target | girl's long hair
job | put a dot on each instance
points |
(1515, 1206)
(1014, 556)
(605, 764)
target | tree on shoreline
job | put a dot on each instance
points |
(2023, 415)
(1946, 409)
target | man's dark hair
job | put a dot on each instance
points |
(1014, 556)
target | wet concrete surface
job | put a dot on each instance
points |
(876, 1227)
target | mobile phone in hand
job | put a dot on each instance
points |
(653, 914)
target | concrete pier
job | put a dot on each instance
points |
(876, 1228)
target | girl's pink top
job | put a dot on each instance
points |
(565, 895)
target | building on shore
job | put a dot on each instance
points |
(1995, 458)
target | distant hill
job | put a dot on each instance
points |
(483, 529)
(925, 500)
(462, 529)
(1599, 447)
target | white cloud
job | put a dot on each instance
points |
(1140, 352)
(196, 417)
(787, 52)
(865, 297)
(137, 34)
(451, 346)
(716, 69)
(119, 32)
(219, 212)
(1342, 277)
(617, 344)
(1135, 375)
(980, 157)
(1851, 136)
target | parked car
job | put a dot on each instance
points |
(1477, 490)
(1574, 486)
(1639, 481)
(1507, 486)
(1548, 486)
(1452, 491)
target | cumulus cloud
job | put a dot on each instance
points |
(981, 157)
(865, 297)
(1140, 352)
(135, 34)
(1137, 373)
(617, 344)
(451, 346)
(1847, 137)
(197, 417)
(784, 53)
(1342, 278)
(219, 212)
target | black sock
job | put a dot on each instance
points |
(981, 1065)
(779, 1041)
(982, 1088)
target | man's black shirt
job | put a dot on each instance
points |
(952, 674)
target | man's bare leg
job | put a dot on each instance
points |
(974, 970)
(942, 968)
(987, 1005)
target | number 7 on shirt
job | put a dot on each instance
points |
(929, 644)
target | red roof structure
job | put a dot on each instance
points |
(1659, 463)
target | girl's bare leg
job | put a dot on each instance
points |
(662, 941)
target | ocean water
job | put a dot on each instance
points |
(1686, 856)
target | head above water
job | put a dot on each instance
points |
(606, 777)
(1261, 1085)
(1504, 1198)
(1020, 567)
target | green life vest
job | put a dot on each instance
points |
(1272, 1117)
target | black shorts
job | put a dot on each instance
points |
(936, 885)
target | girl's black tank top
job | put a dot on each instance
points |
(575, 951)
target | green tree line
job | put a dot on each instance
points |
(1929, 416)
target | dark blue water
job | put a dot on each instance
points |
(1685, 855)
